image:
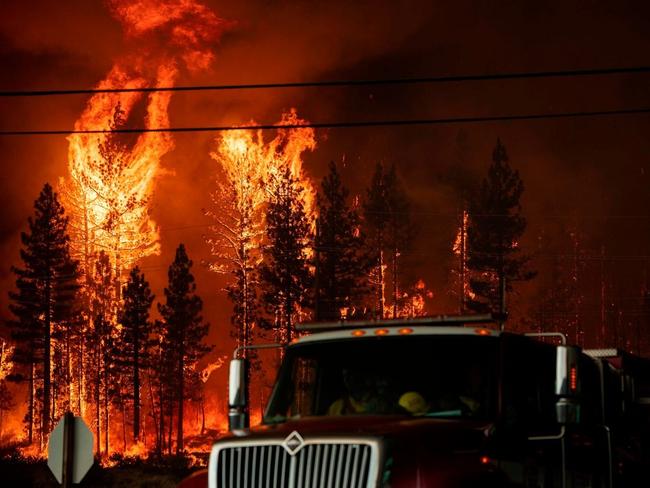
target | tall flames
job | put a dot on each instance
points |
(112, 177)
(251, 167)
(112, 174)
(108, 194)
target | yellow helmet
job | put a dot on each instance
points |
(414, 403)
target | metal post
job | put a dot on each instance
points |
(68, 449)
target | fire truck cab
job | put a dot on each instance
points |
(445, 402)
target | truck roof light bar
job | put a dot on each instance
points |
(603, 353)
(442, 320)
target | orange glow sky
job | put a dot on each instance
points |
(588, 168)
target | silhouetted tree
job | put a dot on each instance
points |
(46, 288)
(183, 331)
(134, 339)
(285, 276)
(494, 234)
(389, 231)
(342, 266)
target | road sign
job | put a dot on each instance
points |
(70, 450)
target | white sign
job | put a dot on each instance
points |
(82, 450)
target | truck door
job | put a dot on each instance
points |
(586, 443)
(528, 413)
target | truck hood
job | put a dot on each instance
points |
(444, 433)
(416, 452)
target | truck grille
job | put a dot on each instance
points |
(315, 465)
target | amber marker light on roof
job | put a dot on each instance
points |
(484, 332)
(358, 333)
(381, 332)
(405, 331)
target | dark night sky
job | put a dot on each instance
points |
(575, 171)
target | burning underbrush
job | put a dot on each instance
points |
(168, 471)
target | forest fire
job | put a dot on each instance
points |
(107, 197)
(179, 187)
(253, 171)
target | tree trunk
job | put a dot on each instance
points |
(45, 420)
(30, 411)
(181, 394)
(380, 274)
(395, 290)
(170, 411)
(136, 391)
(107, 430)
(98, 412)
(123, 423)
(161, 421)
(463, 261)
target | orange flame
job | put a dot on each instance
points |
(251, 165)
(6, 364)
(411, 303)
(112, 176)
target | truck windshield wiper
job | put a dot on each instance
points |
(277, 419)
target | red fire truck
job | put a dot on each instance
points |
(445, 402)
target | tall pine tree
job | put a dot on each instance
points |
(388, 227)
(134, 340)
(494, 234)
(341, 264)
(183, 331)
(46, 287)
(285, 276)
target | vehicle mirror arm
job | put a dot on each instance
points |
(271, 345)
(551, 437)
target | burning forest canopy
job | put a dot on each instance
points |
(395, 226)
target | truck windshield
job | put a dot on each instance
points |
(420, 376)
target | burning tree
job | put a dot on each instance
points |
(285, 274)
(99, 345)
(182, 331)
(6, 368)
(250, 169)
(387, 224)
(494, 233)
(341, 262)
(238, 229)
(112, 175)
(46, 290)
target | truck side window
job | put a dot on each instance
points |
(529, 386)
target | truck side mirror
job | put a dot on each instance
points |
(238, 417)
(567, 384)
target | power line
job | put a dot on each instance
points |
(336, 83)
(336, 125)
